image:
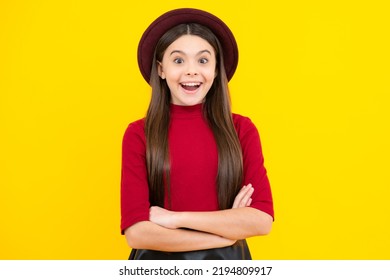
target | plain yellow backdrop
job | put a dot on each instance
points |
(313, 76)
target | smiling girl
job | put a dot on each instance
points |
(194, 185)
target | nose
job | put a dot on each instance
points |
(191, 69)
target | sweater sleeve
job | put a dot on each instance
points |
(255, 172)
(134, 183)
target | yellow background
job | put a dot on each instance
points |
(313, 76)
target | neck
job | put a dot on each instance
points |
(180, 110)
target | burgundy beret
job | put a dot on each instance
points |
(172, 18)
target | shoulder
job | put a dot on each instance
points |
(137, 125)
(249, 138)
(135, 129)
(243, 125)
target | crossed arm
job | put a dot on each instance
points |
(187, 231)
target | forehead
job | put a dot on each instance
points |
(190, 44)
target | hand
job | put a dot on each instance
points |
(243, 198)
(162, 217)
(229, 242)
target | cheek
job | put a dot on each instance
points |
(172, 74)
(211, 74)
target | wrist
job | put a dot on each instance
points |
(179, 219)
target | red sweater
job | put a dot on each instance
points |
(194, 164)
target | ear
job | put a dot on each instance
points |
(160, 70)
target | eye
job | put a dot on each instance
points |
(178, 60)
(203, 60)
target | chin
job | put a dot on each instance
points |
(188, 102)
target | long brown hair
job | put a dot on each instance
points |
(217, 110)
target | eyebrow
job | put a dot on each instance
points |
(181, 52)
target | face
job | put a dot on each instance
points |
(189, 67)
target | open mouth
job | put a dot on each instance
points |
(190, 86)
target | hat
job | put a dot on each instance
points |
(172, 18)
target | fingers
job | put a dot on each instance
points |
(162, 217)
(243, 198)
(249, 202)
(156, 214)
(246, 200)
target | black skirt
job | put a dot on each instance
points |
(238, 251)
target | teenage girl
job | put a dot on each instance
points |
(193, 184)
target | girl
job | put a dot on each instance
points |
(193, 181)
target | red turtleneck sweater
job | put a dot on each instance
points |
(194, 163)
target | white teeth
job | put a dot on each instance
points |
(191, 84)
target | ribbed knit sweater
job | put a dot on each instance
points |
(194, 165)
